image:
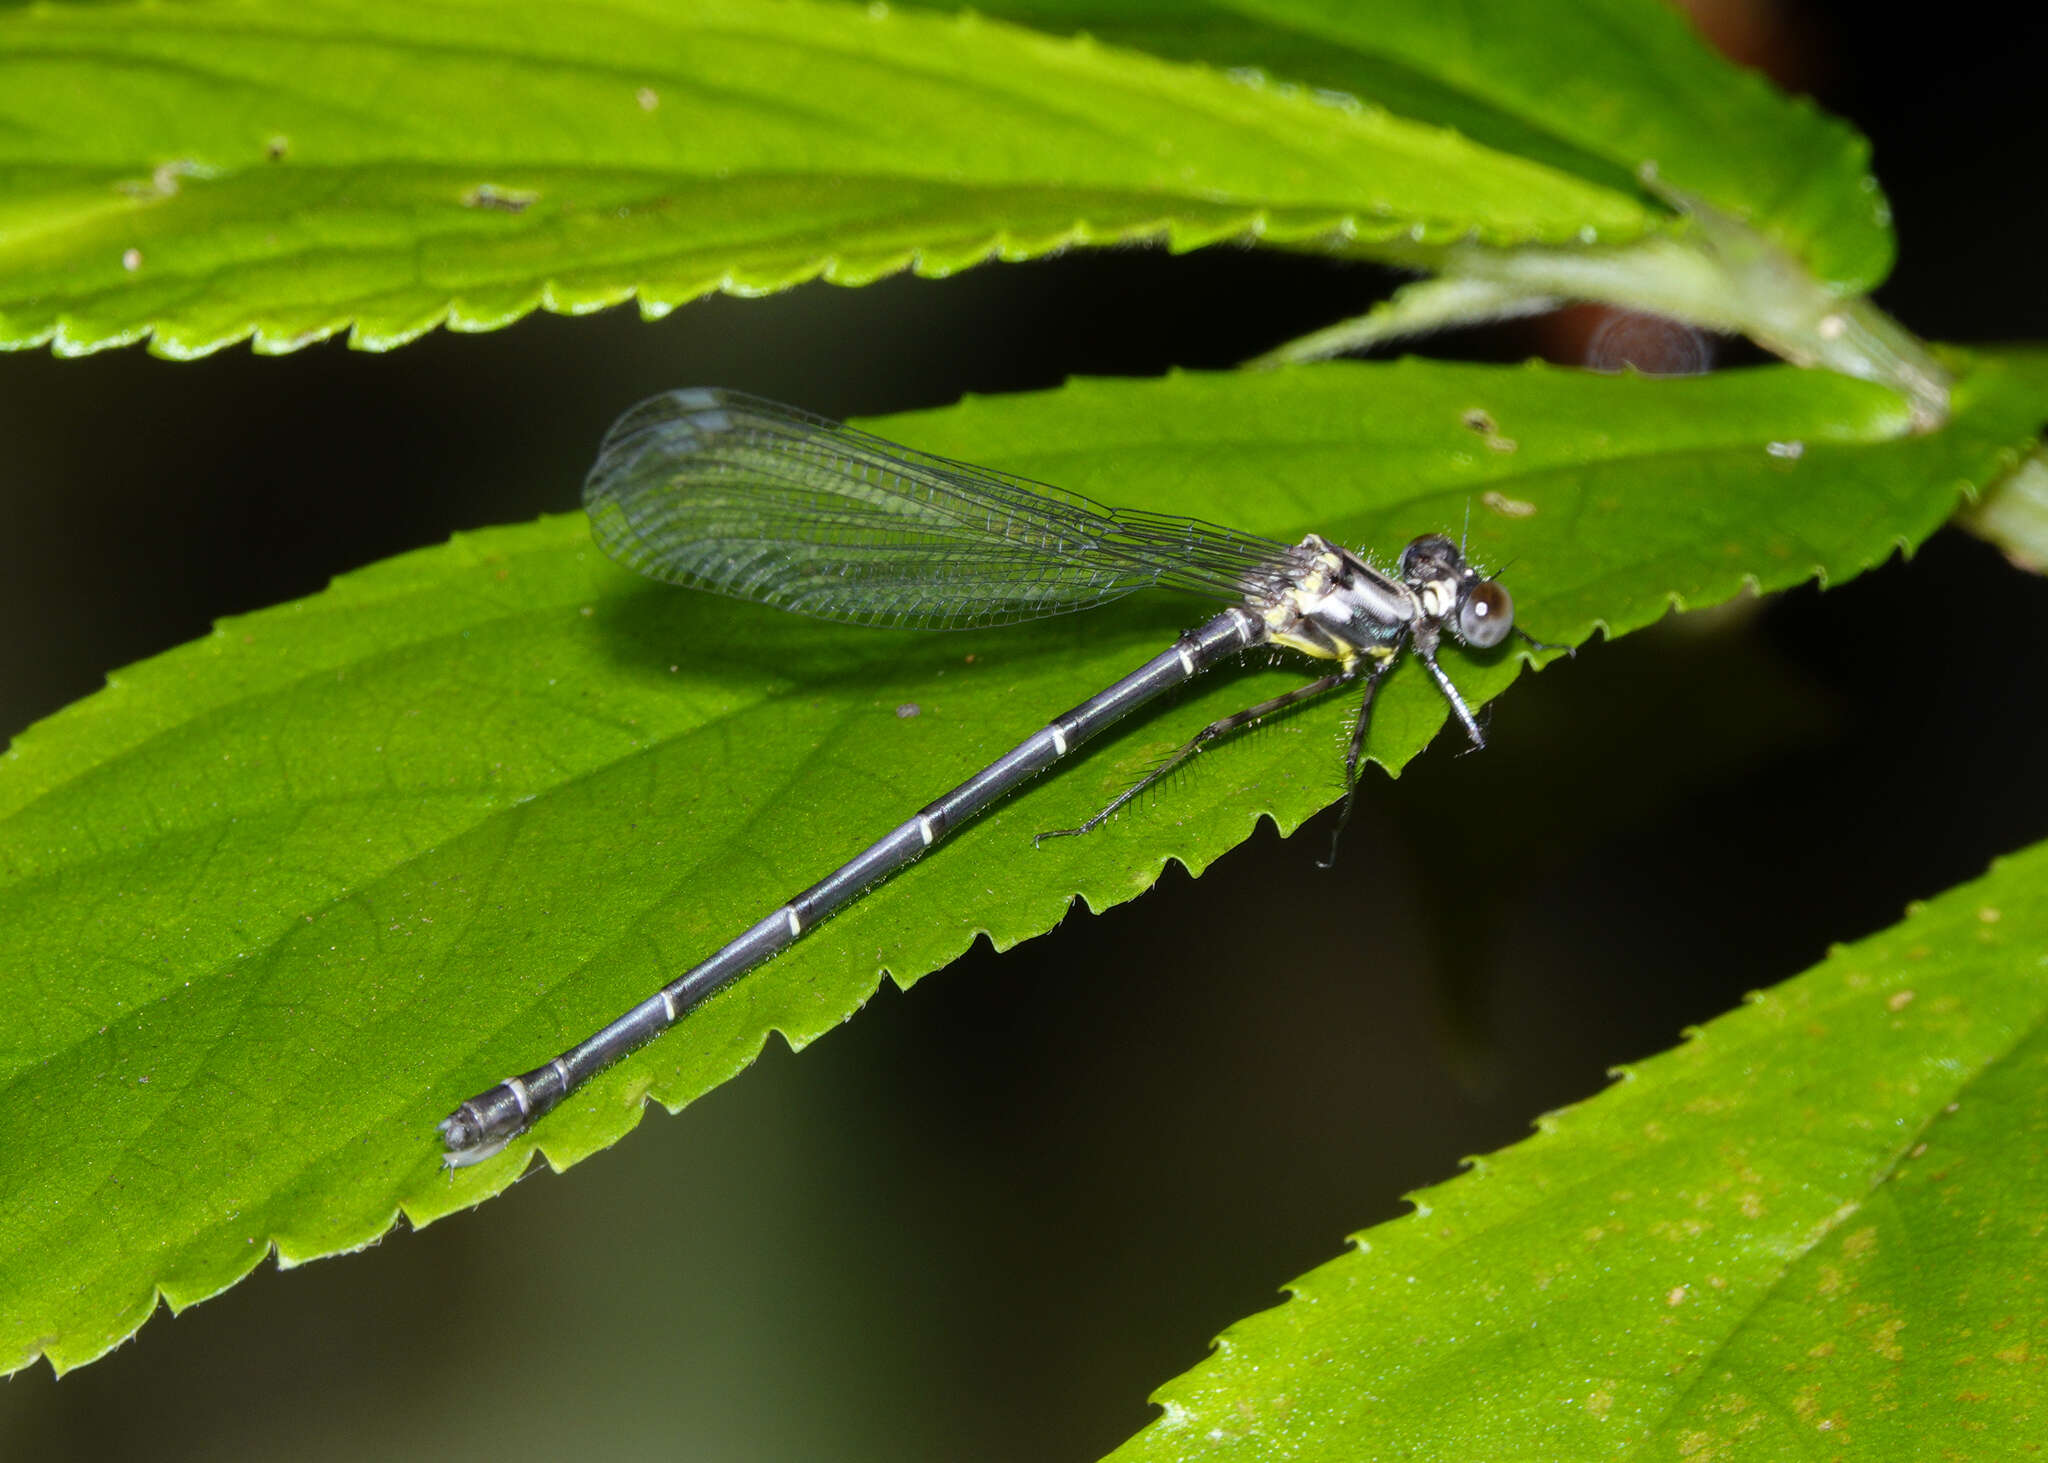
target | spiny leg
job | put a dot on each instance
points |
(1222, 728)
(1351, 756)
(1450, 693)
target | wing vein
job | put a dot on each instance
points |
(730, 493)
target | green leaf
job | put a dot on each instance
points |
(1814, 1228)
(202, 173)
(1594, 88)
(271, 904)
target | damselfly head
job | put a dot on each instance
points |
(1474, 608)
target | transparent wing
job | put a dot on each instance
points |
(722, 491)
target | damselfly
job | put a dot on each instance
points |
(726, 492)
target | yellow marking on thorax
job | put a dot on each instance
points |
(1298, 605)
(1318, 649)
(1300, 597)
(1343, 652)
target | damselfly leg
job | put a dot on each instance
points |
(1221, 727)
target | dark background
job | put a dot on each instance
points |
(986, 1218)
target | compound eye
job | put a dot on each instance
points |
(1485, 615)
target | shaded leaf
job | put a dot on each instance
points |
(1813, 1227)
(1594, 88)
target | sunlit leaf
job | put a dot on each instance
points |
(272, 903)
(201, 173)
